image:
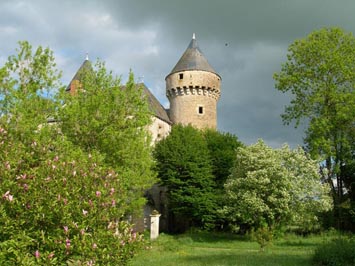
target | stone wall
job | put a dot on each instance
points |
(159, 129)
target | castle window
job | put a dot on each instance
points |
(181, 76)
(200, 110)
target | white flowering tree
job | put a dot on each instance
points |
(271, 188)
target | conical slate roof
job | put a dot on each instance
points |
(193, 59)
(84, 68)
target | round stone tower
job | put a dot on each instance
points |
(193, 89)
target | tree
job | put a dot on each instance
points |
(106, 117)
(320, 75)
(184, 167)
(60, 201)
(222, 148)
(269, 189)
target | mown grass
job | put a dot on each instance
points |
(197, 249)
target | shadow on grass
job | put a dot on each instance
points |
(296, 244)
(246, 259)
(210, 237)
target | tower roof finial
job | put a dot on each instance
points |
(87, 56)
(193, 36)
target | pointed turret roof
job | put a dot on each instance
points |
(84, 68)
(193, 59)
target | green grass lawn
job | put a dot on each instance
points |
(197, 249)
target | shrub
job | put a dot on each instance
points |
(338, 252)
(263, 236)
(59, 204)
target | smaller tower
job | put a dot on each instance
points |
(193, 89)
(75, 83)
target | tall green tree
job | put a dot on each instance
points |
(222, 148)
(109, 118)
(273, 188)
(184, 167)
(26, 82)
(320, 75)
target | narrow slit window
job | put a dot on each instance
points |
(200, 110)
(181, 76)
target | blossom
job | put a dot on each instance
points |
(37, 254)
(94, 246)
(8, 196)
(85, 212)
(67, 243)
(11, 197)
(112, 190)
(51, 255)
(24, 176)
(98, 193)
(65, 229)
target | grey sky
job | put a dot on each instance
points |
(244, 41)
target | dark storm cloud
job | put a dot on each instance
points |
(236, 20)
(245, 42)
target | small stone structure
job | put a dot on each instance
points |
(154, 225)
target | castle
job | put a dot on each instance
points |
(192, 88)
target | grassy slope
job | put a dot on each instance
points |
(199, 249)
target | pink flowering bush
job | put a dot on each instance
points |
(58, 205)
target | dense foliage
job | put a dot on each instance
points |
(338, 252)
(184, 167)
(320, 75)
(272, 188)
(63, 202)
(222, 148)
